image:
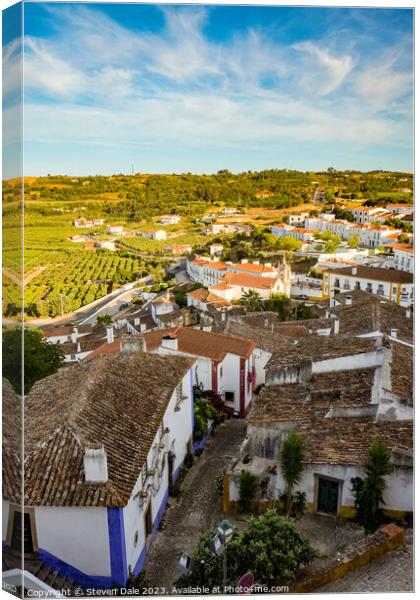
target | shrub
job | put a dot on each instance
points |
(271, 547)
(247, 490)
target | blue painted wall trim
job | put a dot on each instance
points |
(201, 443)
(73, 574)
(161, 511)
(141, 560)
(117, 550)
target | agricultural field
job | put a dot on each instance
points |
(157, 247)
(61, 276)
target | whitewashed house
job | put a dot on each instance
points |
(400, 209)
(225, 364)
(169, 219)
(403, 256)
(115, 229)
(340, 397)
(100, 457)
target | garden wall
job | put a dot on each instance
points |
(314, 576)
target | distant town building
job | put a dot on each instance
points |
(169, 219)
(396, 286)
(403, 256)
(115, 229)
(179, 248)
(216, 249)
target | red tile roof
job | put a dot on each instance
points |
(253, 268)
(250, 281)
(201, 343)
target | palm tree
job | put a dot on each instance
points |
(368, 492)
(291, 457)
(252, 300)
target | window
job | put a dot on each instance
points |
(337, 283)
(69, 338)
(230, 397)
(72, 357)
(380, 289)
(369, 287)
(221, 371)
(357, 285)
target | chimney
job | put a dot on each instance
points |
(95, 465)
(266, 322)
(131, 344)
(268, 264)
(244, 261)
(75, 334)
(408, 312)
(393, 332)
(349, 300)
(331, 301)
(109, 334)
(170, 341)
(336, 326)
(354, 270)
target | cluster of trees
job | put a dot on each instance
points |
(40, 358)
(278, 303)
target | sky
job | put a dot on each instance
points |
(171, 89)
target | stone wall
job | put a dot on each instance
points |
(316, 575)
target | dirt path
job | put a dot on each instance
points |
(197, 509)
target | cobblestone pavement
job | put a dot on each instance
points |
(392, 572)
(198, 508)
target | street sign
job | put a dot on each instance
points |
(245, 583)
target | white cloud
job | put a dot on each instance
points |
(323, 72)
(115, 87)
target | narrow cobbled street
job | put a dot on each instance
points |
(198, 508)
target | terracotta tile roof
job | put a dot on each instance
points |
(375, 274)
(117, 401)
(406, 247)
(208, 297)
(250, 281)
(263, 338)
(177, 314)
(369, 313)
(330, 439)
(221, 286)
(202, 343)
(318, 348)
(252, 268)
(11, 443)
(105, 349)
(402, 372)
(57, 331)
(211, 264)
(163, 299)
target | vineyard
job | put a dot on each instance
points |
(80, 279)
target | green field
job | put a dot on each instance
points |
(62, 275)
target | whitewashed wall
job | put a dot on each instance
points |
(231, 374)
(180, 431)
(77, 535)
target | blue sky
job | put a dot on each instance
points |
(201, 88)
